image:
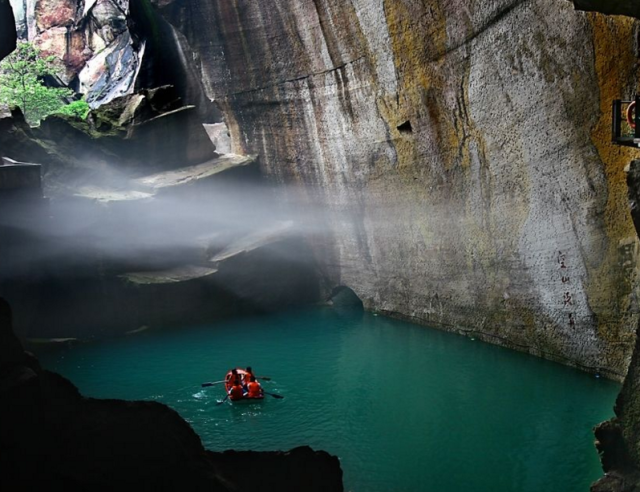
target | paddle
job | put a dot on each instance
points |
(205, 385)
(213, 383)
(274, 395)
(222, 401)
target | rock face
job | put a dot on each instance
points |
(52, 438)
(148, 131)
(112, 48)
(459, 148)
(456, 152)
(618, 440)
(91, 40)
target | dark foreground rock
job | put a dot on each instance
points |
(617, 7)
(618, 440)
(52, 438)
(7, 29)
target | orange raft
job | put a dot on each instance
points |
(242, 373)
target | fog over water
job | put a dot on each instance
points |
(166, 227)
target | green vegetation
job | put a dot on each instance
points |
(22, 84)
(79, 109)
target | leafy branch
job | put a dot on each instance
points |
(22, 84)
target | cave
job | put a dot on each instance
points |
(201, 187)
(344, 297)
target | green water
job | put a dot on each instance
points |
(405, 408)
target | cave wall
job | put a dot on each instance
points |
(457, 152)
(459, 148)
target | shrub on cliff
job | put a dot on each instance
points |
(78, 109)
(22, 84)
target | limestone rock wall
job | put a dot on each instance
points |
(459, 148)
(456, 151)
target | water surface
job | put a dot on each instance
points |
(405, 408)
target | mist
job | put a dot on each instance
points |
(197, 224)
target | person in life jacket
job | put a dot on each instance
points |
(246, 378)
(232, 378)
(236, 392)
(254, 390)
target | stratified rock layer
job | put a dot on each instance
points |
(459, 149)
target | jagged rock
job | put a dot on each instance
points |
(84, 42)
(111, 48)
(220, 137)
(111, 73)
(137, 134)
(52, 438)
(219, 166)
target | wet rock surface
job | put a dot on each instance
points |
(52, 438)
(467, 144)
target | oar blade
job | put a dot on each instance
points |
(213, 383)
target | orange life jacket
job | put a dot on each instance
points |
(255, 390)
(232, 380)
(236, 392)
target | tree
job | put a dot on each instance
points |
(22, 84)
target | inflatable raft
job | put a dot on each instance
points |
(242, 373)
